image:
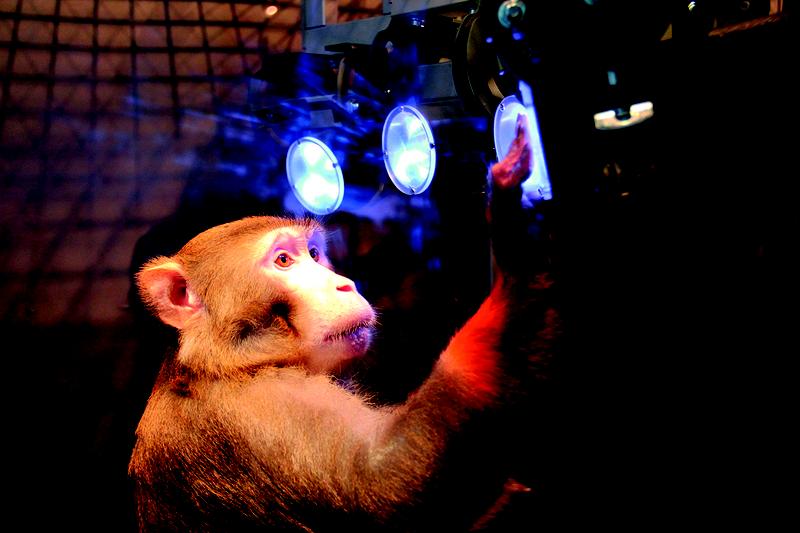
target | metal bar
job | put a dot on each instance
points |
(313, 14)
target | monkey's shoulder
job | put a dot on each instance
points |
(277, 404)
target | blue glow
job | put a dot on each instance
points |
(408, 150)
(315, 175)
(537, 186)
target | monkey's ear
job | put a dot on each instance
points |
(163, 286)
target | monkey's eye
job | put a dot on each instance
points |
(284, 260)
(314, 253)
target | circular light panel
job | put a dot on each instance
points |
(315, 175)
(408, 150)
(505, 124)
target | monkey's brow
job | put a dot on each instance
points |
(298, 238)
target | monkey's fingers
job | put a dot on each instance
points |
(515, 167)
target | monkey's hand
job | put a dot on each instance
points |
(507, 221)
(515, 167)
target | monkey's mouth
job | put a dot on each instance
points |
(358, 335)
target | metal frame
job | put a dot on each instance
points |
(321, 38)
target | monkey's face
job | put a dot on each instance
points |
(259, 291)
(332, 321)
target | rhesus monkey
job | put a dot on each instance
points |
(246, 429)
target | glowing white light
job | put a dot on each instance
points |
(270, 11)
(408, 150)
(315, 175)
(411, 165)
(613, 119)
(537, 185)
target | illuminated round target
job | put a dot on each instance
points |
(408, 150)
(315, 175)
(505, 124)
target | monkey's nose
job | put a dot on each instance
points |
(345, 285)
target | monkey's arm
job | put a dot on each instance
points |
(438, 437)
(433, 460)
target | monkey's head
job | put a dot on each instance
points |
(259, 291)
